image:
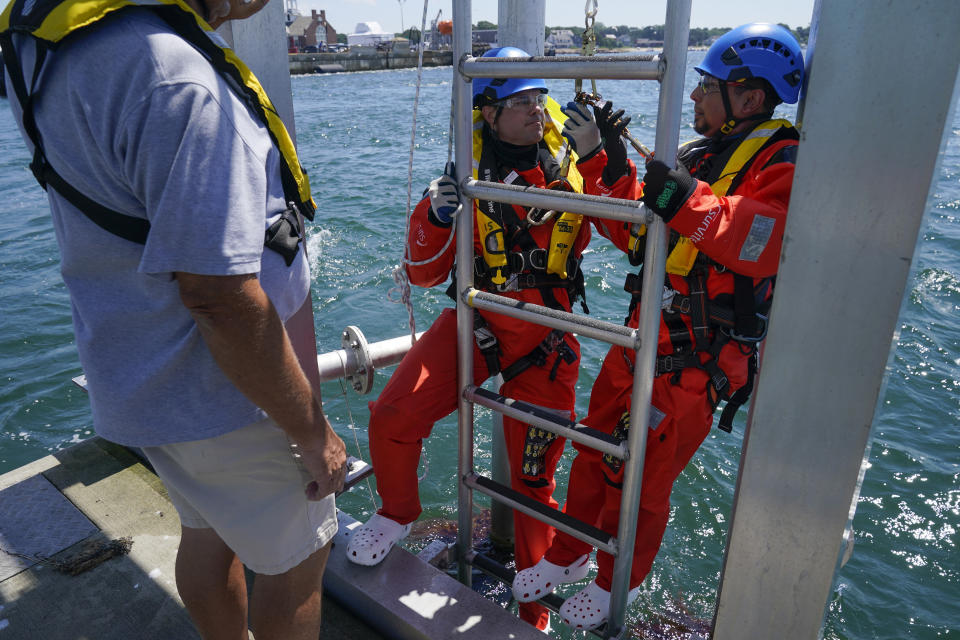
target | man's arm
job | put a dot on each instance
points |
(249, 343)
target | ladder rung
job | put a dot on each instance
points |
(544, 419)
(646, 67)
(581, 325)
(597, 206)
(357, 470)
(560, 520)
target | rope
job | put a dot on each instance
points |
(401, 293)
(356, 440)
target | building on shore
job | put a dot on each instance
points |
(306, 33)
(563, 39)
(368, 34)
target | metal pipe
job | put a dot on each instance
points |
(676, 34)
(580, 325)
(611, 547)
(596, 206)
(501, 516)
(520, 24)
(646, 67)
(344, 363)
(574, 433)
(463, 140)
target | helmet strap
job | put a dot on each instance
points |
(730, 123)
(497, 116)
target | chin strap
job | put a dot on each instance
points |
(730, 123)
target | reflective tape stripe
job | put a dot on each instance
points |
(760, 230)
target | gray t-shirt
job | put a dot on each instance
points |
(135, 117)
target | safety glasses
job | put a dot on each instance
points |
(524, 101)
(711, 84)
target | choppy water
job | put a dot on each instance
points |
(353, 131)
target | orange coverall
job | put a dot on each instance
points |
(424, 389)
(681, 415)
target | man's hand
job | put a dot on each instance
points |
(249, 343)
(445, 195)
(665, 189)
(581, 130)
(325, 458)
(221, 11)
(611, 124)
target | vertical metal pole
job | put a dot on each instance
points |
(463, 139)
(855, 212)
(501, 516)
(676, 35)
(520, 23)
(260, 41)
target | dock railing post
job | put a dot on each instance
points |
(860, 191)
(676, 35)
(463, 141)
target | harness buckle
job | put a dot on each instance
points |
(485, 338)
(538, 259)
(511, 283)
(668, 297)
(668, 364)
(762, 333)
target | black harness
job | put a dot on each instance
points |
(699, 325)
(526, 269)
(283, 236)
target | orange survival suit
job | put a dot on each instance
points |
(738, 235)
(424, 387)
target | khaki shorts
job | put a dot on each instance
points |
(247, 486)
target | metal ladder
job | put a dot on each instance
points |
(669, 69)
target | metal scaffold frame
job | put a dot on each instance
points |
(669, 69)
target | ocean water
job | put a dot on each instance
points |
(354, 135)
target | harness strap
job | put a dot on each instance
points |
(283, 236)
(740, 396)
(538, 357)
(487, 343)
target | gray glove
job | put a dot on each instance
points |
(445, 195)
(581, 130)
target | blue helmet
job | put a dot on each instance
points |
(488, 90)
(758, 50)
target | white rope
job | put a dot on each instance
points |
(356, 440)
(401, 293)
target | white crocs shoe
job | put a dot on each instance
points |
(588, 609)
(542, 578)
(370, 543)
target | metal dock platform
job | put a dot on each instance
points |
(64, 506)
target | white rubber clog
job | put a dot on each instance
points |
(370, 543)
(588, 609)
(542, 578)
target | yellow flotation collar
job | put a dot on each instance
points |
(565, 227)
(684, 254)
(52, 24)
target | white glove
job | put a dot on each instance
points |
(445, 195)
(581, 130)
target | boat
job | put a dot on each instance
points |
(799, 476)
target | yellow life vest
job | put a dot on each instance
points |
(51, 23)
(565, 227)
(684, 254)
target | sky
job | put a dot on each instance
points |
(345, 14)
